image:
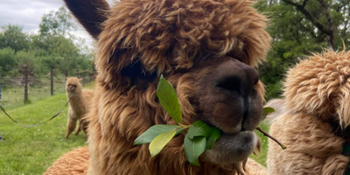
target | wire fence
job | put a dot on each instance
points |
(26, 88)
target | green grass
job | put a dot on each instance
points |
(32, 150)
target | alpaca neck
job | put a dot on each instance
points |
(76, 101)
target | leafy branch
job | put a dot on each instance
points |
(199, 137)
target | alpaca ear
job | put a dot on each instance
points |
(80, 79)
(90, 13)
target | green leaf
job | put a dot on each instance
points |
(154, 131)
(199, 128)
(160, 141)
(212, 138)
(267, 110)
(168, 99)
(194, 148)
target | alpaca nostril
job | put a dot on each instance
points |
(230, 84)
(242, 82)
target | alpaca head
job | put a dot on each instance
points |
(73, 85)
(207, 49)
(320, 85)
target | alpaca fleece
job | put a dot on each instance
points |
(73, 163)
(79, 102)
(76, 162)
(185, 40)
(316, 91)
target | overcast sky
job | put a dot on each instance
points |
(28, 13)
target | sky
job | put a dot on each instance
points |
(28, 13)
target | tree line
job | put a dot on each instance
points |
(52, 47)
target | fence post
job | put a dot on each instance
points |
(66, 74)
(25, 81)
(51, 81)
(77, 73)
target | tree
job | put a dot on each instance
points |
(331, 18)
(57, 23)
(298, 28)
(7, 61)
(29, 59)
(13, 37)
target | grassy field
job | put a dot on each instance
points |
(32, 150)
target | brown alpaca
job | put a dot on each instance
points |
(206, 48)
(79, 101)
(314, 122)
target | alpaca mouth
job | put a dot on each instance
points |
(232, 148)
(236, 143)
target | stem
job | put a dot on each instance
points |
(184, 126)
(267, 135)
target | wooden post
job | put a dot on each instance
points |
(51, 81)
(66, 74)
(25, 81)
(77, 74)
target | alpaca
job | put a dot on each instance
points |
(207, 49)
(79, 101)
(314, 121)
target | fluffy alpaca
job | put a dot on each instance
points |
(79, 101)
(206, 48)
(314, 124)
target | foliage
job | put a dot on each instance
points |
(7, 60)
(53, 48)
(299, 28)
(12, 36)
(57, 23)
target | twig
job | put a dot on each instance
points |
(267, 135)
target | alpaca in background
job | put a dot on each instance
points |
(314, 118)
(79, 100)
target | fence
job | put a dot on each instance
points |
(28, 88)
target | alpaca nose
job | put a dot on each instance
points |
(238, 77)
(71, 88)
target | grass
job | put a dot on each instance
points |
(32, 150)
